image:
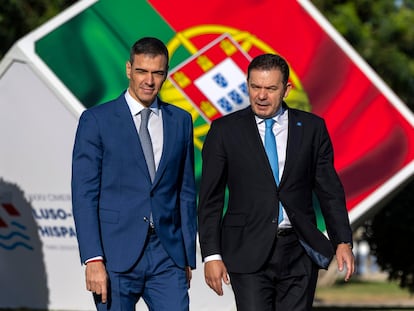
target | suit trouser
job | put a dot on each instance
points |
(155, 278)
(287, 282)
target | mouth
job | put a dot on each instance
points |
(147, 90)
(262, 104)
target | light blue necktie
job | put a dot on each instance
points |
(146, 143)
(271, 151)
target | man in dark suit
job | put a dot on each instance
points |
(268, 241)
(133, 189)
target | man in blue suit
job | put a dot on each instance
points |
(134, 198)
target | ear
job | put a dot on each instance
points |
(287, 89)
(128, 68)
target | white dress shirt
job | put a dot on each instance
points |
(155, 126)
(280, 130)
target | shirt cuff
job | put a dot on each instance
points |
(96, 258)
(213, 257)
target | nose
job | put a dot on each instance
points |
(149, 78)
(262, 94)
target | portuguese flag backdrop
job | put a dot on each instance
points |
(372, 140)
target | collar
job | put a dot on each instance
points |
(280, 114)
(136, 107)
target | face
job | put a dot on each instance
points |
(146, 75)
(266, 91)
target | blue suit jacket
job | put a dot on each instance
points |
(112, 193)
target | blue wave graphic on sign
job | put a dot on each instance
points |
(20, 226)
(15, 245)
(9, 236)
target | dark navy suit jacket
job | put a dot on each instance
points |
(234, 156)
(112, 191)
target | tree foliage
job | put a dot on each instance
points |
(18, 17)
(382, 32)
(390, 236)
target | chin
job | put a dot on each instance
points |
(262, 114)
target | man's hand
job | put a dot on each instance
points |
(214, 273)
(189, 275)
(97, 279)
(344, 256)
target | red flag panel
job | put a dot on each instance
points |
(372, 140)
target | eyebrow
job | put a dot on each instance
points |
(145, 70)
(273, 86)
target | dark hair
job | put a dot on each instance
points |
(148, 45)
(267, 62)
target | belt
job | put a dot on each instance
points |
(284, 231)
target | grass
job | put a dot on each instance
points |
(363, 295)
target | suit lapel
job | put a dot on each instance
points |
(170, 133)
(129, 133)
(253, 143)
(294, 140)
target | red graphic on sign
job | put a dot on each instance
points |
(11, 210)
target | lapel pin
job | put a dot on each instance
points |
(299, 123)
